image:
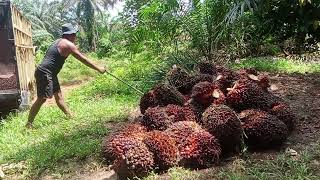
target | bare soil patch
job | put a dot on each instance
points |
(65, 89)
(303, 94)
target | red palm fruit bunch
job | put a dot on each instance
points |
(167, 94)
(195, 79)
(123, 138)
(135, 161)
(245, 94)
(205, 67)
(156, 119)
(164, 149)
(180, 113)
(197, 108)
(267, 101)
(134, 130)
(283, 112)
(200, 149)
(225, 78)
(223, 123)
(262, 79)
(223, 83)
(262, 130)
(207, 93)
(114, 147)
(148, 100)
(180, 79)
(264, 82)
(8, 83)
(180, 131)
(248, 71)
(161, 95)
(202, 78)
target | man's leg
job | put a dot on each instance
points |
(34, 111)
(61, 104)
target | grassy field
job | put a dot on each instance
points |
(56, 140)
(282, 167)
(279, 65)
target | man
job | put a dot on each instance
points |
(46, 73)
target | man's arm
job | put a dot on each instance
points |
(78, 55)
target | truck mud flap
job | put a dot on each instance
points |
(9, 100)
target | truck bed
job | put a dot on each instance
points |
(17, 65)
(8, 83)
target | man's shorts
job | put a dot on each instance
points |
(47, 84)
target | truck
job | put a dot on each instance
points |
(17, 59)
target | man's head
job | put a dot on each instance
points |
(69, 32)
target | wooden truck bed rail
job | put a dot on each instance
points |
(16, 54)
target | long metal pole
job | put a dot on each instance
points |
(137, 90)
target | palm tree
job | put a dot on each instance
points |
(42, 15)
(239, 7)
(86, 12)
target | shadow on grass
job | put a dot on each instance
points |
(82, 142)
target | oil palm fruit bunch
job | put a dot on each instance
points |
(283, 112)
(222, 122)
(164, 149)
(262, 129)
(181, 130)
(156, 118)
(206, 67)
(207, 93)
(161, 95)
(180, 113)
(180, 79)
(135, 161)
(200, 150)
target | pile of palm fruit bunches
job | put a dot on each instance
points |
(195, 120)
(8, 83)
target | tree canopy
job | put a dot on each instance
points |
(207, 27)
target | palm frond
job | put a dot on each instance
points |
(239, 8)
(109, 3)
(41, 33)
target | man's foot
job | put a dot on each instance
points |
(70, 115)
(29, 125)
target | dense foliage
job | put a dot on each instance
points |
(180, 31)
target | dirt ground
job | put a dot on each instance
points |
(303, 94)
(65, 89)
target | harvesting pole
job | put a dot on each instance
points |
(126, 83)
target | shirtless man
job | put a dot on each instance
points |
(46, 73)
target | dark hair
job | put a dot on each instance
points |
(67, 35)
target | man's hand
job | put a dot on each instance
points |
(102, 70)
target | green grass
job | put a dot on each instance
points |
(55, 139)
(282, 168)
(75, 72)
(278, 65)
